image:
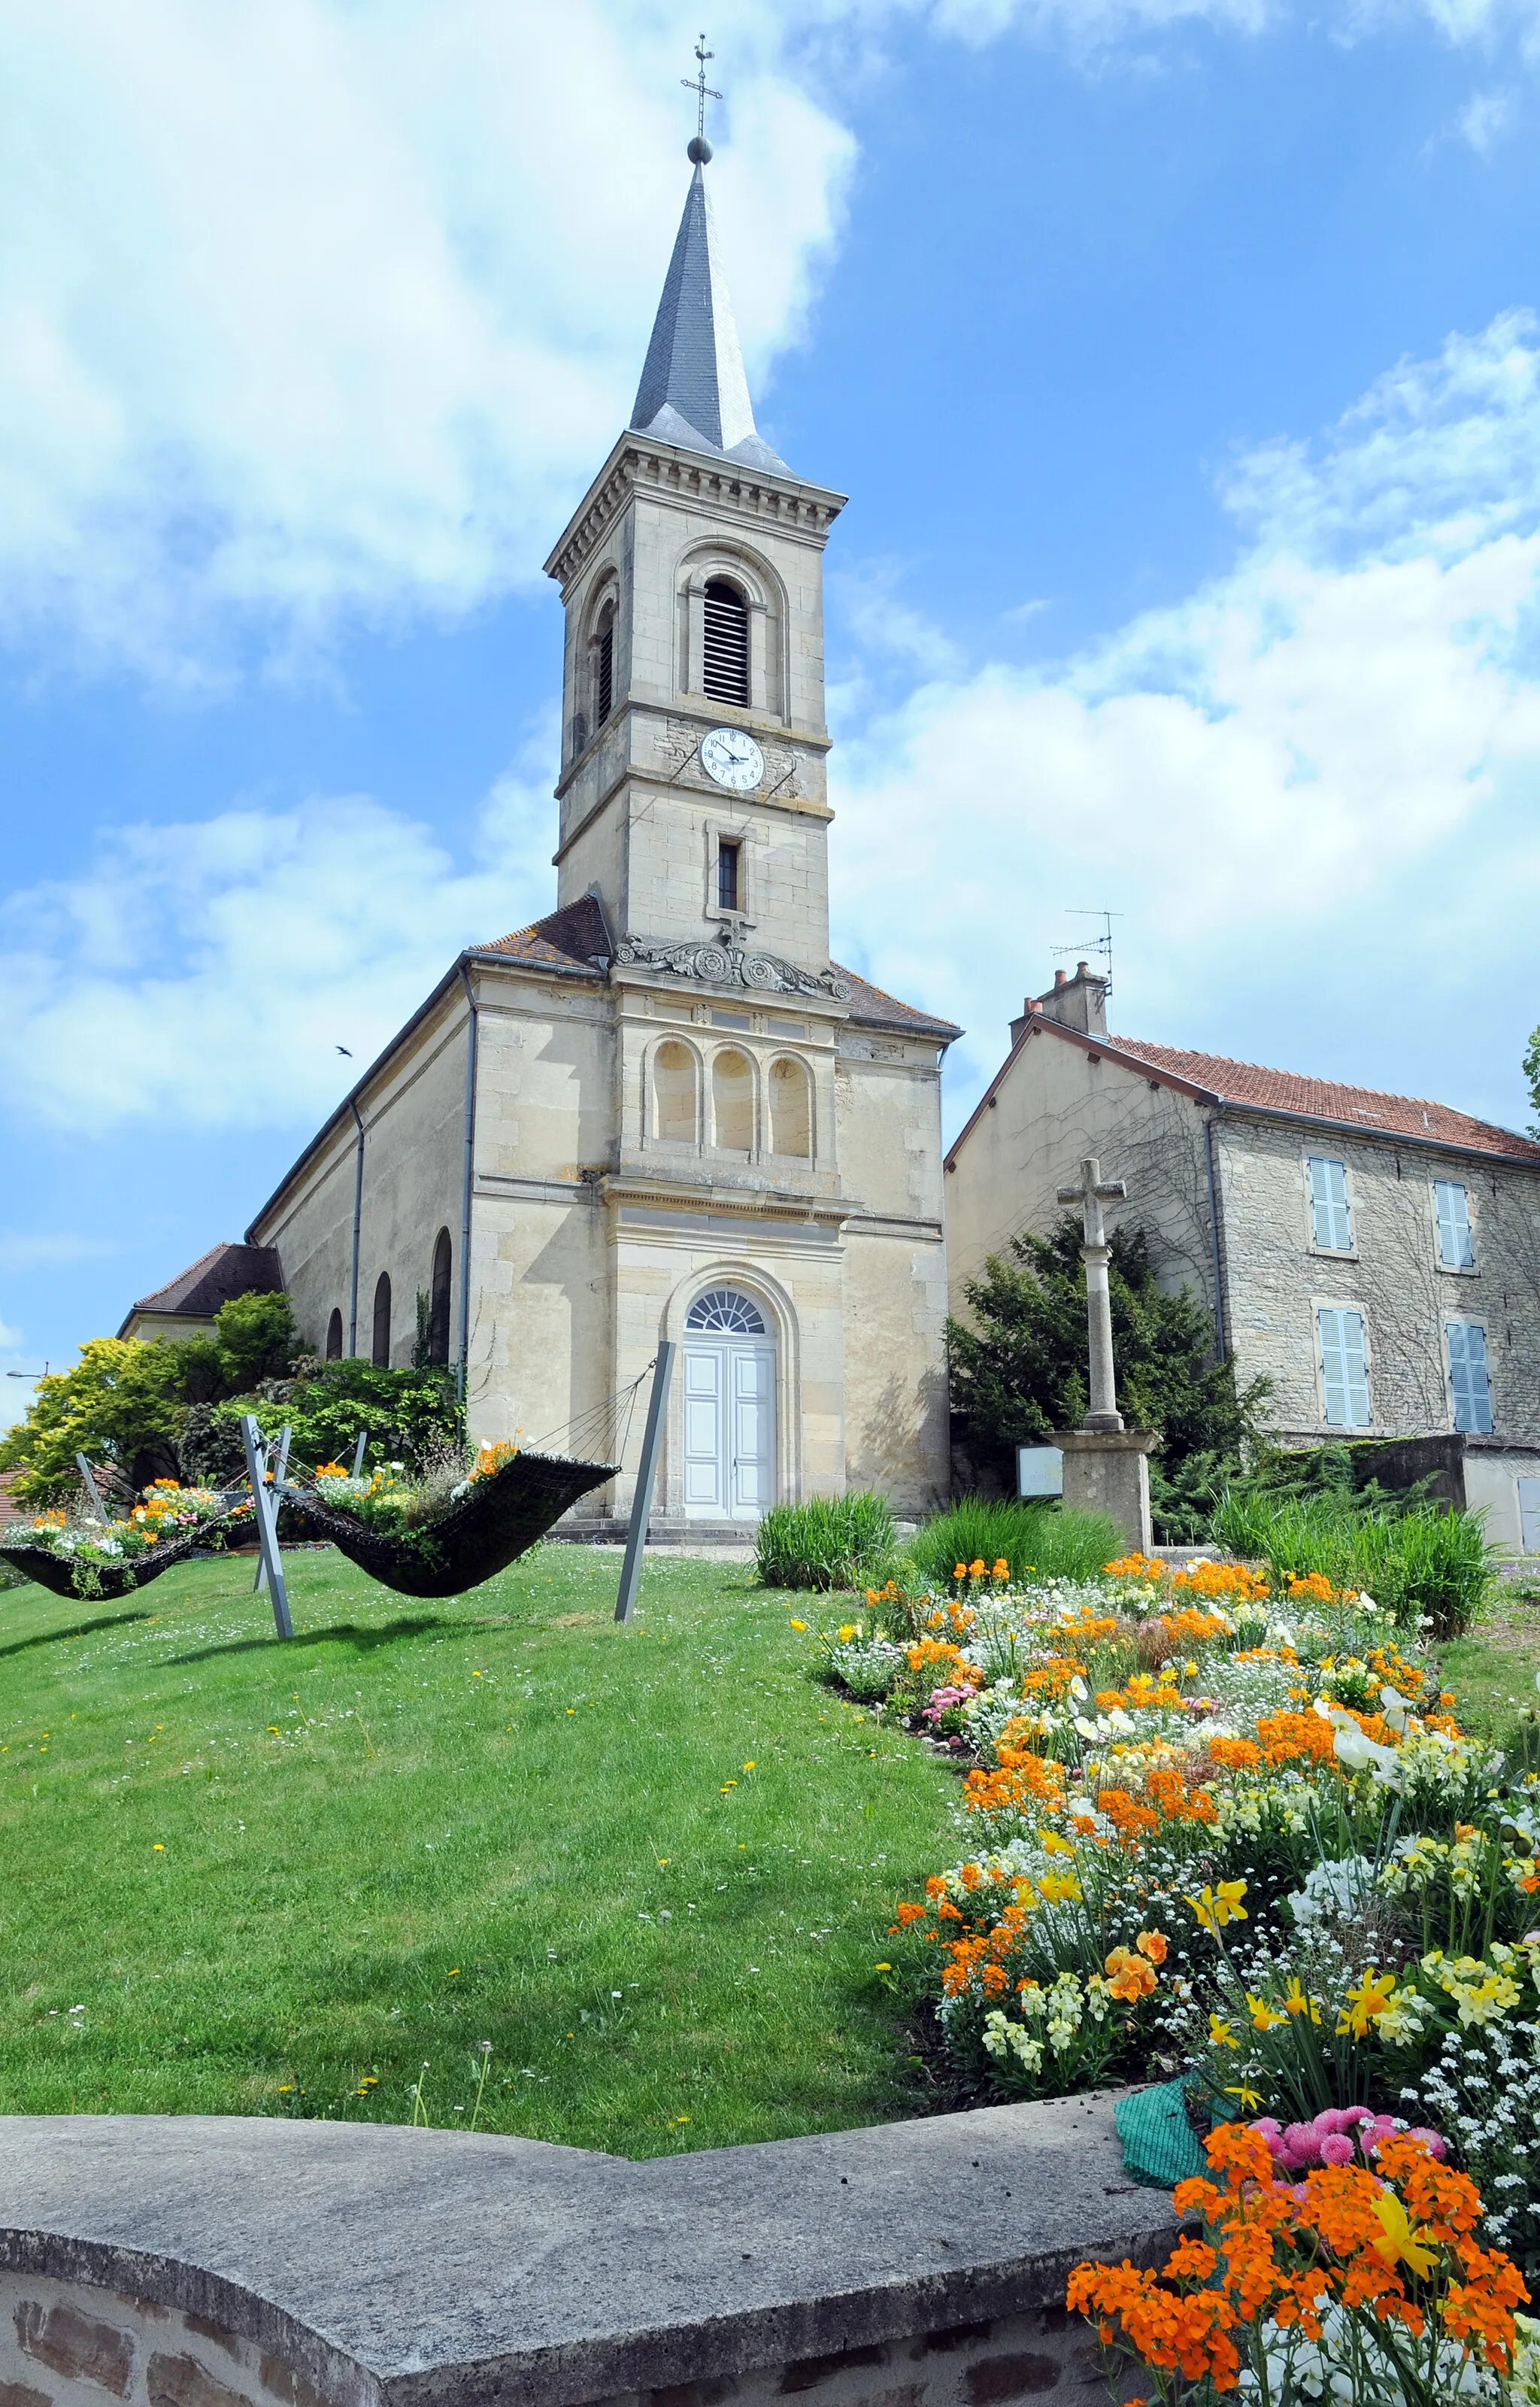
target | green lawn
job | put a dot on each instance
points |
(1493, 1671)
(655, 1868)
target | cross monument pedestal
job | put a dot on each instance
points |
(1106, 1466)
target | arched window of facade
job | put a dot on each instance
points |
(726, 654)
(333, 1337)
(438, 1310)
(732, 1102)
(381, 1351)
(674, 1109)
(790, 1110)
(604, 664)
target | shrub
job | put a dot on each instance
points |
(1043, 1539)
(1427, 1560)
(828, 1542)
(412, 1417)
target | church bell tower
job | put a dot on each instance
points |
(692, 791)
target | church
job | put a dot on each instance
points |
(663, 1111)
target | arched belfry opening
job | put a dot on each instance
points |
(726, 676)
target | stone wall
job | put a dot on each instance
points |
(205, 2261)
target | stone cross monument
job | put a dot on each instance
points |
(1106, 1466)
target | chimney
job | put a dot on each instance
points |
(1079, 1002)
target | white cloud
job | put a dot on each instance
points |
(204, 976)
(307, 309)
(1309, 764)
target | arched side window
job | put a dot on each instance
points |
(604, 664)
(727, 653)
(438, 1309)
(675, 1114)
(381, 1351)
(722, 1312)
(732, 1102)
(790, 1109)
(333, 1337)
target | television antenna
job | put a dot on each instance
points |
(1101, 946)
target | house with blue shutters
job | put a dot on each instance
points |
(1376, 1256)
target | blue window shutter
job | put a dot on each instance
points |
(1454, 1225)
(1470, 1385)
(1344, 1367)
(1330, 1217)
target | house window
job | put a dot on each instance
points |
(381, 1351)
(333, 1337)
(1469, 1385)
(726, 663)
(438, 1309)
(1452, 1206)
(1344, 1366)
(728, 883)
(604, 664)
(1331, 1224)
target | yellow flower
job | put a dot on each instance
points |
(1264, 2016)
(1251, 2098)
(881, 1968)
(1404, 2243)
(798, 1625)
(1220, 2032)
(749, 1766)
(1298, 2003)
(1060, 1888)
(1216, 1908)
(847, 1629)
(1365, 2004)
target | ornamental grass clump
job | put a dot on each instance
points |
(1363, 2283)
(1424, 1559)
(830, 1542)
(1040, 1541)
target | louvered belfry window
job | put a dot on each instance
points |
(604, 666)
(726, 672)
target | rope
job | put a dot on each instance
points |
(600, 1434)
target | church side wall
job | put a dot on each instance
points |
(414, 1127)
(1055, 1106)
(1277, 1277)
(887, 1093)
(541, 1311)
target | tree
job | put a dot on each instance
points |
(1018, 1374)
(1532, 1072)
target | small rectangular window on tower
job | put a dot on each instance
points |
(604, 672)
(728, 884)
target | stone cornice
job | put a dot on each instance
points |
(717, 962)
(690, 480)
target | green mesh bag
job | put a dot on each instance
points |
(1159, 2144)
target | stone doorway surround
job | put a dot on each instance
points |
(225, 2261)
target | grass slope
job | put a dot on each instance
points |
(252, 1879)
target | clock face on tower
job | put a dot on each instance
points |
(733, 758)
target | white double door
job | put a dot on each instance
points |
(730, 1427)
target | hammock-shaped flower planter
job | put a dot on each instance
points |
(72, 1575)
(502, 1516)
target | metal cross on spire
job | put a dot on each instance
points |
(700, 150)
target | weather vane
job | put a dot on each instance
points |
(700, 150)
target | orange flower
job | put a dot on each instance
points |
(1128, 1976)
(1152, 1944)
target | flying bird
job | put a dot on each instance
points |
(342, 1048)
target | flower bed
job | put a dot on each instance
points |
(455, 1523)
(1233, 1840)
(89, 1558)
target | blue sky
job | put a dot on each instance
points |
(1178, 362)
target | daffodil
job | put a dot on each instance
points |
(1405, 2243)
(1220, 2032)
(1296, 2002)
(1214, 1908)
(1366, 2003)
(1263, 2015)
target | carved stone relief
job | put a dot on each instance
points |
(729, 964)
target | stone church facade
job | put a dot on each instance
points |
(1376, 1256)
(663, 1111)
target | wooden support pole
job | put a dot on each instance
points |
(646, 1480)
(265, 1502)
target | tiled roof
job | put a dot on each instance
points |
(215, 1278)
(575, 937)
(868, 1004)
(1323, 1098)
(568, 939)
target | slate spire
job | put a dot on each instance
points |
(693, 391)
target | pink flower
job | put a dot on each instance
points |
(1337, 2149)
